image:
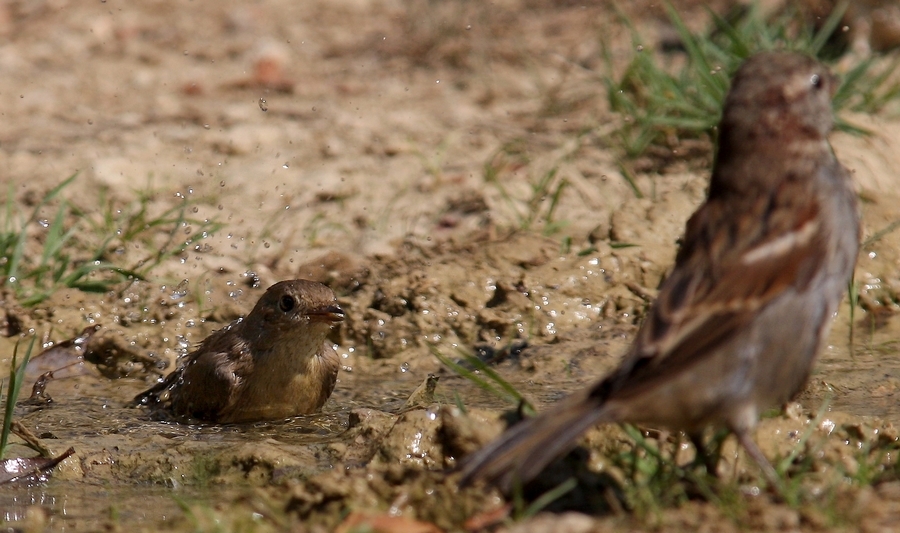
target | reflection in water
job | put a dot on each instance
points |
(88, 507)
(14, 503)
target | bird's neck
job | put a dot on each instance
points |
(744, 165)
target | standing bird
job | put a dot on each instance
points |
(272, 364)
(762, 268)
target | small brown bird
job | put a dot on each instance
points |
(272, 364)
(763, 266)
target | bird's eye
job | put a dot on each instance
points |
(816, 81)
(286, 303)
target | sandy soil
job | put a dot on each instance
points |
(391, 149)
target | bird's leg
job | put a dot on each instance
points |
(709, 454)
(719, 438)
(703, 458)
(753, 450)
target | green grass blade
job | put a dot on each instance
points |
(692, 45)
(495, 384)
(16, 376)
(831, 23)
(545, 499)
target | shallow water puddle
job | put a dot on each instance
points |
(131, 468)
(78, 506)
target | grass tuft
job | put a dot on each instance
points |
(661, 108)
(79, 249)
(539, 207)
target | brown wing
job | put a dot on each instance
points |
(207, 386)
(728, 268)
(207, 382)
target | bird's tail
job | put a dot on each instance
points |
(153, 396)
(525, 449)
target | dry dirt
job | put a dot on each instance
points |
(391, 149)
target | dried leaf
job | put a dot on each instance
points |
(30, 470)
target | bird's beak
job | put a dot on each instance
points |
(329, 313)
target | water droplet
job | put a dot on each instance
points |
(263, 105)
(404, 367)
(44, 223)
(183, 343)
(285, 165)
(180, 291)
(252, 277)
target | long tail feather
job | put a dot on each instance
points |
(525, 449)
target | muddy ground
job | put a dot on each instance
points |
(392, 149)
